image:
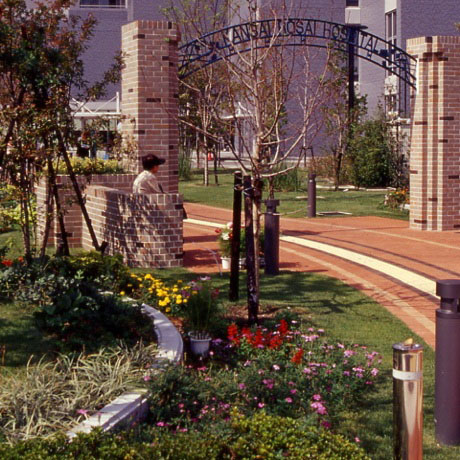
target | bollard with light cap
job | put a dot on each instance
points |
(447, 364)
(407, 400)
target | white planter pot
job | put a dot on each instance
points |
(226, 261)
(200, 343)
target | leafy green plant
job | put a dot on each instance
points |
(202, 306)
(290, 181)
(185, 166)
(224, 238)
(89, 166)
(53, 396)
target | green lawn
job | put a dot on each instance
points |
(293, 204)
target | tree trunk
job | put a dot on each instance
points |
(80, 199)
(251, 263)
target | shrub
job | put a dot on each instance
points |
(290, 181)
(68, 305)
(56, 395)
(89, 166)
(396, 199)
(255, 437)
(185, 166)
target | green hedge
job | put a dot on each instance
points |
(258, 437)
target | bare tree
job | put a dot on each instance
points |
(269, 99)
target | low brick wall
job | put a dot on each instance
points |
(145, 229)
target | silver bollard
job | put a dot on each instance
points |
(407, 401)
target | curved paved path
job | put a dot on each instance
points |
(382, 257)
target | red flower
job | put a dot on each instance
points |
(7, 262)
(218, 230)
(283, 327)
(297, 358)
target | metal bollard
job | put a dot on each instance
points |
(447, 365)
(272, 238)
(407, 401)
(312, 195)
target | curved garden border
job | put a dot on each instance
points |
(132, 406)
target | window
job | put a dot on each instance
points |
(352, 3)
(102, 3)
(391, 32)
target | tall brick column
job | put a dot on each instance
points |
(150, 94)
(435, 137)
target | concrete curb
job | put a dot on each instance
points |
(132, 406)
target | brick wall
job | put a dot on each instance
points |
(150, 94)
(145, 229)
(435, 140)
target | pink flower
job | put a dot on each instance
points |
(82, 411)
(319, 408)
(317, 397)
(241, 386)
(260, 405)
(276, 367)
(357, 439)
(147, 378)
(288, 400)
(161, 424)
(374, 371)
(325, 424)
(293, 391)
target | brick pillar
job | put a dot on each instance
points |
(150, 94)
(435, 135)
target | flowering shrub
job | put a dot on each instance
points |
(154, 291)
(396, 199)
(297, 375)
(225, 236)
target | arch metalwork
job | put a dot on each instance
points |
(231, 40)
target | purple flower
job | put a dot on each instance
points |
(241, 386)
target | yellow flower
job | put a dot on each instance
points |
(167, 310)
(122, 292)
(175, 289)
(148, 276)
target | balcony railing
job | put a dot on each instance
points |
(102, 3)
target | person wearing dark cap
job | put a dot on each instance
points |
(146, 181)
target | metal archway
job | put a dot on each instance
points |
(220, 44)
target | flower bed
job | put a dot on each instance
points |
(283, 372)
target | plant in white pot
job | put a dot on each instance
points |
(201, 309)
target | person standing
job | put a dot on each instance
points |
(146, 181)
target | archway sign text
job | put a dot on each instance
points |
(229, 41)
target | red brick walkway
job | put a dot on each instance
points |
(435, 255)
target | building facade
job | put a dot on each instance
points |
(397, 21)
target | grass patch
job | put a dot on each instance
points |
(293, 204)
(20, 337)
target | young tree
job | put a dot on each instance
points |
(270, 102)
(40, 70)
(340, 119)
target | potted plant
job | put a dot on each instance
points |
(201, 309)
(224, 239)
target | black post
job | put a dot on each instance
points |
(351, 71)
(253, 305)
(312, 195)
(272, 238)
(447, 364)
(236, 238)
